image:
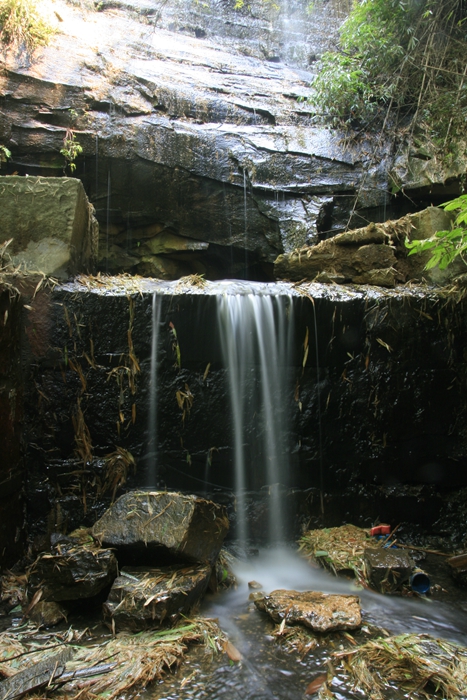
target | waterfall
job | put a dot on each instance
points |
(256, 338)
(152, 413)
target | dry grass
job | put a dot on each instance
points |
(23, 25)
(339, 549)
(129, 661)
(128, 284)
(420, 666)
(189, 281)
(117, 467)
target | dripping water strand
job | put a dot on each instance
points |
(245, 218)
(97, 167)
(320, 426)
(152, 414)
(108, 223)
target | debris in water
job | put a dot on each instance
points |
(105, 670)
(339, 549)
(419, 665)
(142, 597)
(316, 684)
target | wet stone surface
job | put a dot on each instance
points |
(319, 611)
(73, 572)
(150, 524)
(142, 597)
(388, 569)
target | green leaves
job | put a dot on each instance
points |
(445, 246)
(22, 25)
(406, 56)
(5, 154)
(71, 150)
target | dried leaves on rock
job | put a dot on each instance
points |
(339, 549)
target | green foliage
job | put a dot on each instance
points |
(241, 4)
(5, 154)
(445, 246)
(400, 62)
(22, 26)
(71, 150)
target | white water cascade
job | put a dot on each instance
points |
(152, 413)
(256, 339)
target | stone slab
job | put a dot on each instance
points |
(321, 612)
(51, 223)
(388, 569)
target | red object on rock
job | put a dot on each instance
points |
(381, 529)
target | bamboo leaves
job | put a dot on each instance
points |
(445, 246)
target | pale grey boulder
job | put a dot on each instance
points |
(51, 224)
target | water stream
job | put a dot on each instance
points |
(266, 671)
(256, 334)
(152, 413)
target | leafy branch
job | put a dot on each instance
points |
(71, 150)
(445, 246)
(5, 154)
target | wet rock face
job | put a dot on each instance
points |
(319, 611)
(383, 378)
(388, 569)
(185, 527)
(142, 597)
(193, 126)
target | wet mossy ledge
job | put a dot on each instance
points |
(376, 401)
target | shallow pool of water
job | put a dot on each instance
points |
(267, 671)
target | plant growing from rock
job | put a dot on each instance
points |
(445, 246)
(5, 154)
(71, 150)
(22, 26)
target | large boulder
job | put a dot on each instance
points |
(142, 597)
(51, 223)
(160, 524)
(321, 612)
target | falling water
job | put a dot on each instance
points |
(108, 223)
(97, 166)
(152, 415)
(245, 219)
(256, 334)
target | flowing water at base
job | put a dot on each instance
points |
(268, 672)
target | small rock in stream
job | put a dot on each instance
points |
(388, 569)
(47, 614)
(321, 612)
